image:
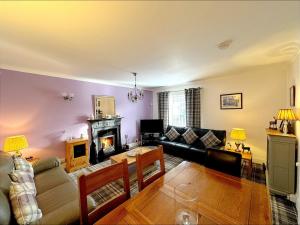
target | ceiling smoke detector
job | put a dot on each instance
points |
(225, 44)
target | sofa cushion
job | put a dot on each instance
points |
(23, 178)
(210, 140)
(168, 143)
(6, 162)
(182, 146)
(66, 214)
(180, 130)
(198, 144)
(57, 196)
(5, 213)
(24, 205)
(172, 134)
(45, 164)
(50, 179)
(6, 166)
(5, 182)
(220, 134)
(174, 145)
(23, 165)
(189, 136)
(60, 205)
(197, 150)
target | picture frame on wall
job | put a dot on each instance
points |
(104, 106)
(292, 95)
(231, 101)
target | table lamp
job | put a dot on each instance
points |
(15, 144)
(286, 115)
(238, 135)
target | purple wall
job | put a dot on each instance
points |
(32, 105)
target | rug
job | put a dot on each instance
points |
(116, 188)
(284, 211)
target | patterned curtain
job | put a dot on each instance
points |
(163, 107)
(193, 107)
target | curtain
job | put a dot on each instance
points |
(193, 107)
(163, 107)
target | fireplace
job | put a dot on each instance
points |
(77, 154)
(107, 143)
(105, 139)
(79, 150)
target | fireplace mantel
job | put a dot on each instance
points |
(97, 126)
(104, 119)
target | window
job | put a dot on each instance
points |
(177, 114)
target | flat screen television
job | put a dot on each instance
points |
(152, 126)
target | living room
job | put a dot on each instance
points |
(91, 73)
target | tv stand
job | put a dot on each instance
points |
(148, 139)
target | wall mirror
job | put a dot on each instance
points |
(104, 106)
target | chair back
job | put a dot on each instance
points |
(145, 160)
(93, 181)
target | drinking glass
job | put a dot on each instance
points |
(186, 197)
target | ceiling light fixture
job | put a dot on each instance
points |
(136, 94)
(225, 44)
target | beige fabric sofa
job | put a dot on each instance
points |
(57, 196)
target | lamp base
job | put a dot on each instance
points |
(18, 154)
(237, 144)
(285, 127)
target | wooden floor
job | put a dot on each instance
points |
(222, 199)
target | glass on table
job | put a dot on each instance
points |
(186, 197)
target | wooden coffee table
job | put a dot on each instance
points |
(130, 159)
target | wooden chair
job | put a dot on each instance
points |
(91, 182)
(146, 159)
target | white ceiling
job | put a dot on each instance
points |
(166, 43)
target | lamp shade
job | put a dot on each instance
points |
(15, 143)
(238, 134)
(286, 114)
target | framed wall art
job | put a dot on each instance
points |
(231, 101)
(104, 106)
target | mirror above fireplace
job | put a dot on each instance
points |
(104, 106)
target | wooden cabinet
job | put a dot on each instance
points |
(77, 154)
(281, 162)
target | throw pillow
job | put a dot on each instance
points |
(24, 205)
(210, 140)
(189, 136)
(23, 165)
(172, 134)
(24, 178)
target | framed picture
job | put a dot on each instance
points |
(292, 95)
(231, 101)
(104, 106)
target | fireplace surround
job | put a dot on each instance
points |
(105, 138)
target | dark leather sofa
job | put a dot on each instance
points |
(224, 161)
(194, 152)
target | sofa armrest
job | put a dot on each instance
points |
(224, 161)
(46, 164)
(163, 138)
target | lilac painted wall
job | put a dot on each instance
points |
(32, 105)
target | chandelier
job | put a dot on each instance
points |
(136, 94)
